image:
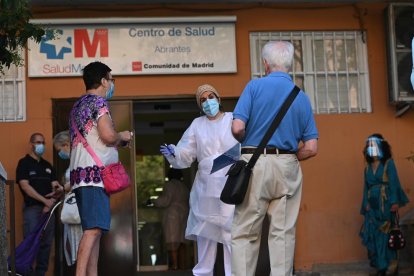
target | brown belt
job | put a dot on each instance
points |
(266, 151)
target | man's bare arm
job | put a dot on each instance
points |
(24, 184)
(308, 149)
(238, 129)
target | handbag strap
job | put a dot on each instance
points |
(86, 145)
(276, 121)
(396, 219)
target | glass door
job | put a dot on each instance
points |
(117, 252)
(157, 122)
(150, 178)
(117, 246)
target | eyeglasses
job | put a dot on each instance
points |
(113, 80)
(38, 142)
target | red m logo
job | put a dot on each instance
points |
(81, 38)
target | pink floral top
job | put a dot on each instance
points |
(85, 115)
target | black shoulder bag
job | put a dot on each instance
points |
(239, 173)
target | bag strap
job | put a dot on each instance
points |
(396, 219)
(276, 121)
(86, 145)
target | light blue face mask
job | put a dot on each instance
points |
(63, 155)
(39, 149)
(110, 91)
(211, 107)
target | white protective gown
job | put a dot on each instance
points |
(203, 141)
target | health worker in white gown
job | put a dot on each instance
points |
(210, 220)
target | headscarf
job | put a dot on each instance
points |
(204, 88)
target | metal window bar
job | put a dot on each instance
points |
(366, 76)
(315, 76)
(336, 66)
(359, 85)
(308, 68)
(325, 67)
(13, 101)
(9, 100)
(347, 74)
(293, 65)
(19, 88)
(310, 73)
(302, 39)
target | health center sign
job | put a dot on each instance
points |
(135, 46)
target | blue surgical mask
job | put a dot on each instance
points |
(211, 107)
(110, 91)
(63, 155)
(39, 149)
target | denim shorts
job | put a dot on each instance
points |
(94, 208)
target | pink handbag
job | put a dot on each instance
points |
(114, 176)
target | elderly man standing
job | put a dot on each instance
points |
(276, 183)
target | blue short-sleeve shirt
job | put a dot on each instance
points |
(258, 105)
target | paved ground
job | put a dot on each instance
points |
(352, 269)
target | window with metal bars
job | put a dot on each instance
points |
(331, 67)
(13, 95)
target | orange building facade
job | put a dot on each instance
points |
(329, 220)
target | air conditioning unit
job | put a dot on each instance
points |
(400, 33)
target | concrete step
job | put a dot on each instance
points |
(167, 273)
(344, 269)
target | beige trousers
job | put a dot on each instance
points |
(275, 188)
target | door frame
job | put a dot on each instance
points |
(60, 118)
(60, 115)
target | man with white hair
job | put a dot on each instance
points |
(275, 186)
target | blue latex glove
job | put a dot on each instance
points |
(167, 150)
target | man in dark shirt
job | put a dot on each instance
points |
(38, 183)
